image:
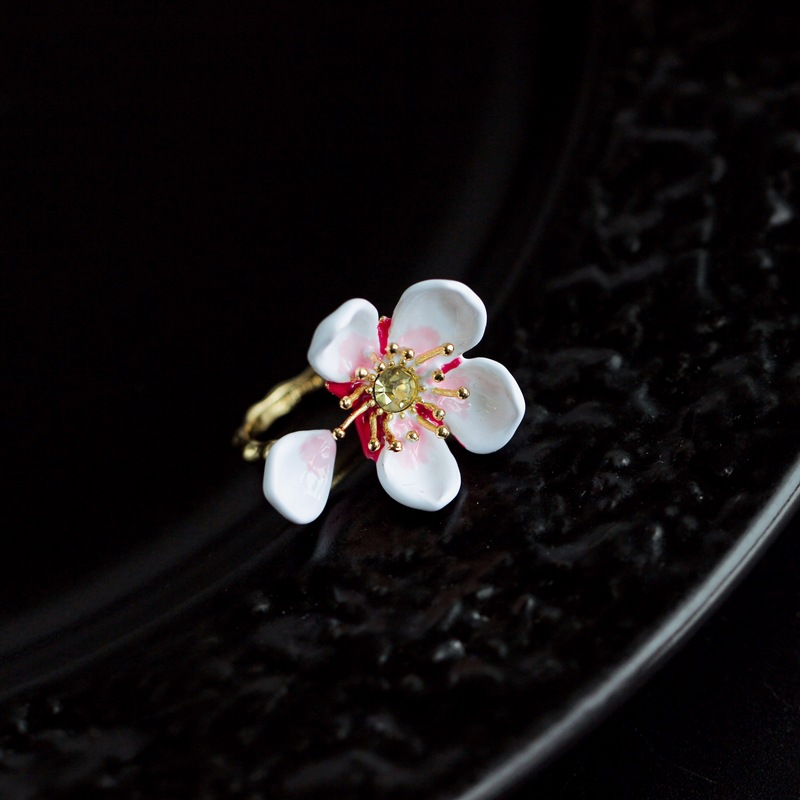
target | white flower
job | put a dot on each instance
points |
(407, 387)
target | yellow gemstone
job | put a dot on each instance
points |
(396, 388)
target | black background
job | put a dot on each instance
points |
(191, 189)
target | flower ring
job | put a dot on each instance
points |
(408, 388)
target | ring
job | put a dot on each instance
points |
(407, 389)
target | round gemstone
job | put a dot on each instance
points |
(396, 388)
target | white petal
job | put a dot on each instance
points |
(422, 475)
(436, 312)
(344, 341)
(298, 474)
(488, 418)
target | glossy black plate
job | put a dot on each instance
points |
(193, 192)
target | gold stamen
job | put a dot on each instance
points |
(394, 444)
(347, 402)
(436, 412)
(361, 373)
(427, 424)
(338, 433)
(393, 348)
(441, 350)
(408, 355)
(412, 436)
(462, 393)
(438, 376)
(373, 445)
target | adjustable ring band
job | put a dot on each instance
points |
(277, 403)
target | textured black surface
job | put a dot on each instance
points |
(720, 721)
(654, 333)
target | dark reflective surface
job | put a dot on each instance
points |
(720, 721)
(651, 322)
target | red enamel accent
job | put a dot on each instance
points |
(426, 413)
(340, 390)
(450, 365)
(383, 333)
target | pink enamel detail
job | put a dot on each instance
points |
(420, 339)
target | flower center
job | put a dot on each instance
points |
(396, 388)
(391, 389)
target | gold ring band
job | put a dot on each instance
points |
(277, 403)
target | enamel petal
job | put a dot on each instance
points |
(424, 475)
(435, 312)
(344, 341)
(488, 418)
(298, 474)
